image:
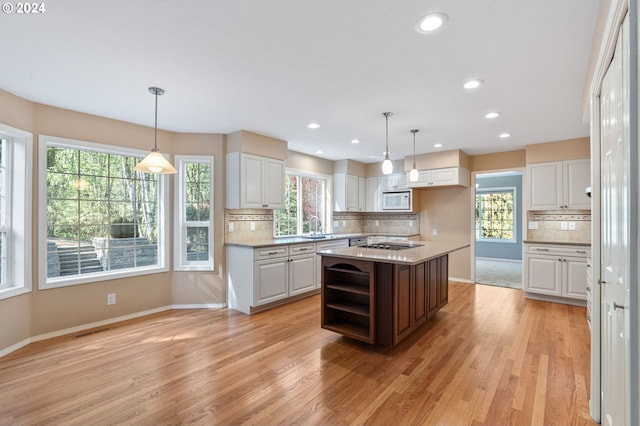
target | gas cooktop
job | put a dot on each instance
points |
(384, 246)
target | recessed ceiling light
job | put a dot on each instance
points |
(504, 135)
(431, 22)
(493, 114)
(472, 84)
(319, 151)
(438, 145)
(313, 125)
(354, 141)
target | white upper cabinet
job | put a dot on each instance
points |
(372, 202)
(254, 182)
(441, 177)
(558, 185)
(393, 182)
(347, 193)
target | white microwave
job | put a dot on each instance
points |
(396, 200)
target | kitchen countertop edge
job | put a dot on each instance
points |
(302, 240)
(563, 243)
(429, 250)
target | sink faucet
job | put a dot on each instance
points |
(315, 231)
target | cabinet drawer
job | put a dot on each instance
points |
(271, 252)
(302, 249)
(557, 250)
(328, 245)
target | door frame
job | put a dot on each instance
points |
(611, 22)
(522, 220)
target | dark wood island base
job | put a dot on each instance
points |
(378, 302)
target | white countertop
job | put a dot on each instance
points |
(300, 240)
(427, 250)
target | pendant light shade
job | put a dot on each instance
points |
(413, 174)
(155, 162)
(387, 165)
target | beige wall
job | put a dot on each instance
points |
(299, 161)
(253, 143)
(438, 160)
(350, 167)
(47, 311)
(569, 149)
(498, 161)
(449, 211)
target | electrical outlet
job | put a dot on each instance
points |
(336, 223)
(252, 226)
(434, 232)
(344, 223)
(111, 299)
(533, 225)
(410, 224)
(564, 226)
(230, 226)
(377, 223)
(572, 226)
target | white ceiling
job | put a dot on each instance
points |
(272, 66)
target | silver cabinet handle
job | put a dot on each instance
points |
(272, 252)
(588, 288)
(581, 251)
(616, 306)
(542, 249)
(602, 282)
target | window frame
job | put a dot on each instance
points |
(514, 191)
(180, 263)
(18, 209)
(44, 141)
(327, 220)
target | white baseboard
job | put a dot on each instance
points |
(200, 306)
(15, 347)
(460, 280)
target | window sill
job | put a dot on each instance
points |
(94, 278)
(9, 292)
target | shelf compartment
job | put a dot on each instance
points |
(349, 288)
(349, 329)
(353, 308)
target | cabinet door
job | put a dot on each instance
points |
(270, 280)
(545, 186)
(577, 177)
(251, 168)
(403, 295)
(542, 274)
(302, 274)
(352, 193)
(362, 194)
(393, 182)
(273, 184)
(575, 277)
(419, 294)
(444, 177)
(424, 179)
(443, 280)
(371, 198)
(432, 287)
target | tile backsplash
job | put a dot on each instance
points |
(553, 226)
(261, 221)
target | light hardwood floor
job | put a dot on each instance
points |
(490, 357)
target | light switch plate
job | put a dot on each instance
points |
(253, 226)
(377, 223)
(410, 223)
(230, 226)
(572, 226)
(564, 226)
(434, 232)
(533, 225)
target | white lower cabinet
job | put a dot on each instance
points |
(277, 273)
(326, 245)
(556, 270)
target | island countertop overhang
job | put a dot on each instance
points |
(411, 256)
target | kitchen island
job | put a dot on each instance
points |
(382, 292)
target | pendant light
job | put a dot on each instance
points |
(387, 165)
(155, 162)
(413, 174)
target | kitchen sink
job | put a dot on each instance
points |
(318, 236)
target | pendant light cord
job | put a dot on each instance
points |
(155, 134)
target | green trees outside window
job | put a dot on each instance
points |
(495, 215)
(305, 204)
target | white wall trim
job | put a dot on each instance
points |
(461, 280)
(14, 347)
(200, 306)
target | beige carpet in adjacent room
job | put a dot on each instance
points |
(503, 273)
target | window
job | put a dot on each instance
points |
(305, 205)
(495, 219)
(194, 214)
(15, 211)
(102, 219)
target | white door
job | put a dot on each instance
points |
(614, 243)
